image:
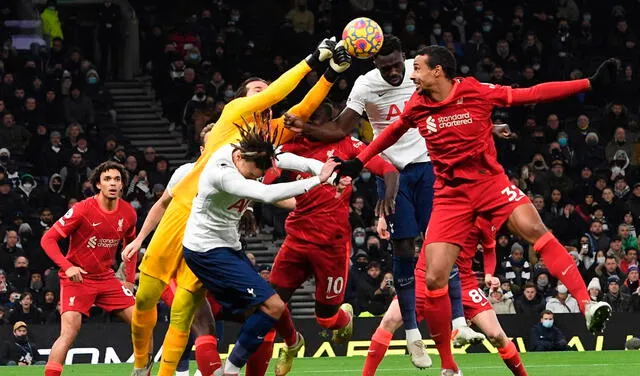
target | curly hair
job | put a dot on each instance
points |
(257, 141)
(104, 167)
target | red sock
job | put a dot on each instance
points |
(511, 358)
(437, 311)
(286, 329)
(259, 361)
(337, 321)
(53, 369)
(562, 266)
(207, 356)
(378, 347)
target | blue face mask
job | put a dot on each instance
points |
(411, 28)
(547, 323)
(92, 80)
(562, 141)
(194, 56)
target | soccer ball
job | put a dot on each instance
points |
(363, 37)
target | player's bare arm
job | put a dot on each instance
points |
(150, 223)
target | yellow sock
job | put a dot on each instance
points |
(144, 317)
(142, 325)
(174, 344)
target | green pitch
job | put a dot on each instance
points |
(538, 364)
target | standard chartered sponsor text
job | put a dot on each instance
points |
(455, 120)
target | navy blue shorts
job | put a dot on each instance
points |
(230, 277)
(414, 201)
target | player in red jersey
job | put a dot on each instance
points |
(454, 116)
(322, 252)
(95, 228)
(477, 308)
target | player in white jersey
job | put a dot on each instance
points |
(203, 321)
(212, 248)
(382, 93)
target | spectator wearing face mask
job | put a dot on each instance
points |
(365, 185)
(18, 350)
(594, 289)
(543, 283)
(562, 302)
(20, 276)
(619, 301)
(51, 196)
(545, 336)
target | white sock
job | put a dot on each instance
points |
(231, 368)
(458, 322)
(182, 373)
(413, 335)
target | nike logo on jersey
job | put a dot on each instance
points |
(96, 224)
(331, 296)
(564, 272)
(381, 94)
(484, 303)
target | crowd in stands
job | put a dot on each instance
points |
(576, 159)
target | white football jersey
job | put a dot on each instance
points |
(224, 194)
(178, 174)
(383, 104)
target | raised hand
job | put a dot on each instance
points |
(606, 74)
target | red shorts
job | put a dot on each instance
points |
(455, 207)
(297, 261)
(108, 294)
(170, 292)
(473, 299)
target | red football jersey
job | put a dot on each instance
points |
(458, 130)
(320, 217)
(94, 235)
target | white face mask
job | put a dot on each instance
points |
(459, 19)
(437, 31)
(600, 260)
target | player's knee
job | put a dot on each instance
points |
(436, 280)
(497, 338)
(391, 321)
(274, 306)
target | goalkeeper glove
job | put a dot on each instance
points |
(351, 168)
(323, 52)
(340, 62)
